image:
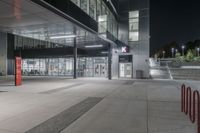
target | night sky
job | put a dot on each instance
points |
(174, 20)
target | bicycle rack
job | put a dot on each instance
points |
(190, 104)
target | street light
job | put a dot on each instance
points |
(183, 48)
(163, 54)
(198, 49)
(172, 52)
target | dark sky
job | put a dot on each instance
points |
(174, 20)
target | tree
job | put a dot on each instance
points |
(178, 54)
(190, 55)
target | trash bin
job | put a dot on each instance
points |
(139, 74)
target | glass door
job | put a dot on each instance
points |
(125, 70)
(100, 70)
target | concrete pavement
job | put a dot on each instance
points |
(127, 106)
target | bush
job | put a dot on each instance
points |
(197, 59)
(190, 55)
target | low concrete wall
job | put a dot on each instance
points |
(182, 73)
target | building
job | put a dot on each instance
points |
(78, 38)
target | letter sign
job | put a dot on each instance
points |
(125, 49)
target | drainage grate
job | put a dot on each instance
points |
(2, 91)
(60, 89)
(129, 82)
(61, 121)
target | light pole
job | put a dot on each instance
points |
(163, 54)
(198, 49)
(172, 50)
(183, 48)
(176, 51)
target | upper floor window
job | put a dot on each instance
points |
(102, 20)
(99, 11)
(76, 2)
(134, 26)
(84, 5)
(92, 10)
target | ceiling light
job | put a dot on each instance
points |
(94, 46)
(104, 52)
(60, 37)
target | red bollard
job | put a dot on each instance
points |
(195, 111)
(196, 98)
(188, 102)
(183, 98)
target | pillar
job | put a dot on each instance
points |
(109, 62)
(75, 55)
(3, 54)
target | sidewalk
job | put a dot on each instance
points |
(124, 106)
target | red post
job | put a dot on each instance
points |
(183, 98)
(190, 104)
(196, 111)
(188, 101)
(18, 73)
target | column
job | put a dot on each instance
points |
(75, 55)
(3, 54)
(109, 62)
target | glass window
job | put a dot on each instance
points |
(134, 36)
(92, 11)
(134, 14)
(53, 64)
(83, 4)
(69, 66)
(134, 26)
(102, 18)
(109, 22)
(42, 67)
(62, 66)
(102, 23)
(31, 64)
(103, 12)
(25, 69)
(98, 8)
(19, 42)
(75, 2)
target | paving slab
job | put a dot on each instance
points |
(128, 106)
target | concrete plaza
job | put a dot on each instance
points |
(116, 106)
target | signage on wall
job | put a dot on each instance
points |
(18, 71)
(125, 49)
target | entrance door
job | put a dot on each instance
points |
(100, 70)
(125, 70)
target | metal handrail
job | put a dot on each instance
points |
(190, 104)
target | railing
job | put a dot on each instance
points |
(190, 104)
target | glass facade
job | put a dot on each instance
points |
(92, 67)
(86, 67)
(76, 2)
(48, 67)
(103, 24)
(92, 10)
(97, 10)
(84, 5)
(30, 43)
(134, 26)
